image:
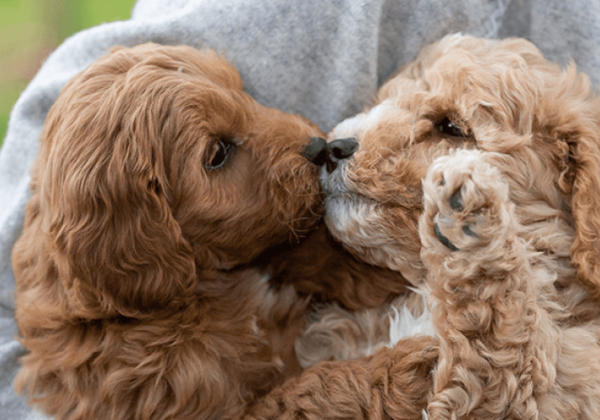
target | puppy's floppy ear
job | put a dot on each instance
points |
(115, 243)
(585, 251)
(576, 121)
(118, 247)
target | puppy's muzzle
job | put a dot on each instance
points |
(321, 153)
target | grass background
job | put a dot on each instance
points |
(31, 29)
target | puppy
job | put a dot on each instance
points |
(155, 268)
(477, 176)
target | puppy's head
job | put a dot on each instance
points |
(499, 96)
(154, 165)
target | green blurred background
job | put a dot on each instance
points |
(31, 29)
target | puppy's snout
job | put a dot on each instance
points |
(316, 151)
(340, 149)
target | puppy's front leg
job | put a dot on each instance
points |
(394, 383)
(485, 309)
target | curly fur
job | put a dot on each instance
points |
(149, 287)
(501, 224)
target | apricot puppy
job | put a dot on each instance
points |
(157, 184)
(477, 176)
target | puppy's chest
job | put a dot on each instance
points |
(338, 334)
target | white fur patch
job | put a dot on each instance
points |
(404, 324)
(345, 215)
(378, 113)
(350, 127)
(356, 222)
(356, 125)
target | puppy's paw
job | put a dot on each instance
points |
(466, 204)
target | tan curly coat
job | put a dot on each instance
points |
(478, 178)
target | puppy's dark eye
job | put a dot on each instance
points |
(445, 126)
(218, 154)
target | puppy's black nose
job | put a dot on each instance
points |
(342, 148)
(316, 151)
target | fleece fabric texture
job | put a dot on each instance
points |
(321, 59)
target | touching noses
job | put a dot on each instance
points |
(320, 152)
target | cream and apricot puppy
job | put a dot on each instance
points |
(477, 176)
